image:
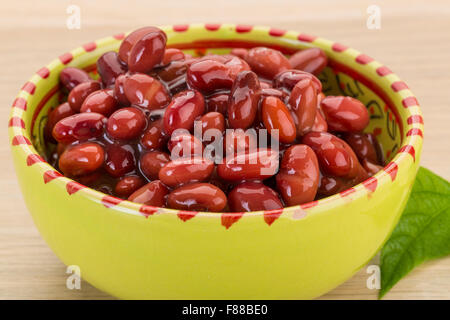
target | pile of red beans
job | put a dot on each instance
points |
(134, 133)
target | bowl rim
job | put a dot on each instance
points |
(410, 146)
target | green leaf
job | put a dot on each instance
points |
(423, 232)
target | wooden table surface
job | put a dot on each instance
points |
(414, 41)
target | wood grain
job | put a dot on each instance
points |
(413, 41)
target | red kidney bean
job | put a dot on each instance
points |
(289, 78)
(335, 156)
(208, 76)
(132, 38)
(362, 146)
(256, 165)
(127, 185)
(215, 57)
(81, 159)
(299, 175)
(182, 145)
(276, 116)
(154, 137)
(236, 65)
(320, 124)
(345, 114)
(311, 60)
(119, 160)
(147, 52)
(184, 170)
(253, 196)
(370, 167)
(78, 94)
(145, 91)
(197, 196)
(174, 70)
(101, 101)
(217, 102)
(152, 194)
(331, 185)
(271, 92)
(60, 112)
(126, 123)
(172, 54)
(239, 141)
(243, 102)
(109, 68)
(239, 52)
(267, 62)
(152, 162)
(81, 126)
(182, 111)
(119, 91)
(210, 120)
(303, 101)
(70, 77)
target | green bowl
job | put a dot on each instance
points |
(134, 251)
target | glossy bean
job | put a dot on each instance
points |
(345, 114)
(145, 91)
(239, 52)
(303, 101)
(152, 194)
(126, 123)
(298, 179)
(276, 116)
(182, 111)
(312, 60)
(253, 196)
(172, 54)
(147, 52)
(81, 126)
(60, 112)
(197, 196)
(184, 145)
(236, 65)
(109, 68)
(243, 101)
(101, 101)
(70, 77)
(208, 76)
(217, 102)
(151, 162)
(362, 146)
(289, 78)
(210, 121)
(320, 124)
(81, 159)
(154, 137)
(239, 141)
(186, 170)
(119, 91)
(173, 71)
(267, 62)
(256, 165)
(78, 94)
(130, 40)
(127, 185)
(335, 156)
(119, 160)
